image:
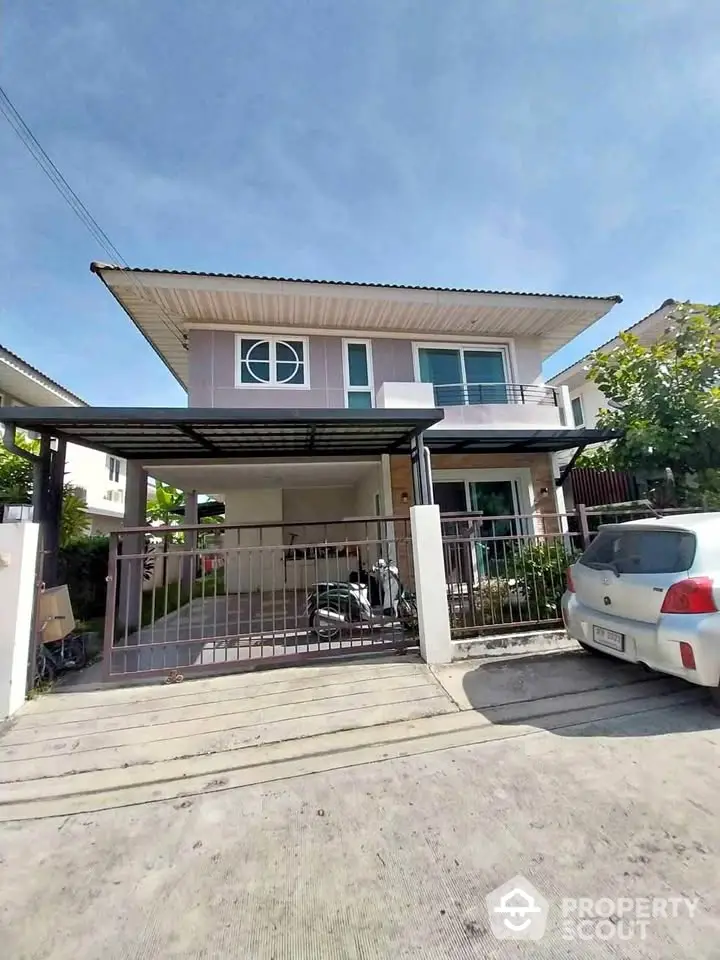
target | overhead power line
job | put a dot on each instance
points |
(50, 169)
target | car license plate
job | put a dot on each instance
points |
(608, 638)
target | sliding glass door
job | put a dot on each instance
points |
(461, 375)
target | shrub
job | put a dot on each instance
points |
(539, 568)
(83, 566)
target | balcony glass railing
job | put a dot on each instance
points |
(465, 394)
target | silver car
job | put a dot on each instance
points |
(648, 591)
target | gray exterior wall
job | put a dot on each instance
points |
(392, 361)
(212, 375)
(212, 371)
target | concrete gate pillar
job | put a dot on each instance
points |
(430, 584)
(130, 571)
(18, 565)
(189, 559)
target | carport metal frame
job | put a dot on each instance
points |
(184, 433)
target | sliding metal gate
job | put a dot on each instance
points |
(184, 600)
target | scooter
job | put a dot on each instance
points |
(336, 607)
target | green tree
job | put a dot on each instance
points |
(664, 398)
(16, 476)
(160, 507)
(16, 480)
(74, 519)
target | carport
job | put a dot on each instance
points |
(205, 436)
(258, 611)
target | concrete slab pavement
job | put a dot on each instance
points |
(391, 859)
(90, 750)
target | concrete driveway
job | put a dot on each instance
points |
(375, 835)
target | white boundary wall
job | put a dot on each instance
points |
(18, 558)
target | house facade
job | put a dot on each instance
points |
(586, 399)
(98, 477)
(240, 343)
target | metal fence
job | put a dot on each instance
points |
(236, 596)
(590, 519)
(507, 573)
(463, 394)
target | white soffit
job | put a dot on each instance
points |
(165, 305)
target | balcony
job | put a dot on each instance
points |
(469, 405)
(467, 394)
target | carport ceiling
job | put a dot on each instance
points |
(156, 434)
(219, 478)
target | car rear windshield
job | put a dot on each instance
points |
(641, 551)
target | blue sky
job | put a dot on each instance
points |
(560, 146)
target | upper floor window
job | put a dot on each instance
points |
(463, 375)
(271, 362)
(358, 374)
(113, 465)
(577, 411)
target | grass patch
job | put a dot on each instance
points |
(211, 585)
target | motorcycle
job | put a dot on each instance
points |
(379, 603)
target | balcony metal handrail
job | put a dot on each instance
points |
(465, 394)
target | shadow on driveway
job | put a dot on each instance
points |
(581, 695)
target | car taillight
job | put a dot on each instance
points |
(694, 595)
(569, 580)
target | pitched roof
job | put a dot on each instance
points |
(165, 304)
(27, 370)
(660, 313)
(97, 266)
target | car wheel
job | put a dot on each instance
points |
(715, 700)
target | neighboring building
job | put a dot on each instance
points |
(99, 478)
(585, 398)
(237, 343)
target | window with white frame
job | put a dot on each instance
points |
(271, 361)
(464, 374)
(113, 465)
(577, 411)
(359, 390)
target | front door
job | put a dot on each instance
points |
(495, 535)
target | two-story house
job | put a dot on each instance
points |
(319, 404)
(98, 477)
(243, 343)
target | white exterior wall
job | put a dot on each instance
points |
(592, 401)
(297, 508)
(89, 469)
(254, 569)
(18, 557)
